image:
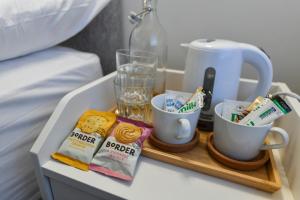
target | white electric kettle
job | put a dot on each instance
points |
(216, 66)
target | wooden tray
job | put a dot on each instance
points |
(198, 159)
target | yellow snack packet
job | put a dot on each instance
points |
(78, 148)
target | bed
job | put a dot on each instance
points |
(32, 85)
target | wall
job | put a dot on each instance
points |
(102, 36)
(271, 24)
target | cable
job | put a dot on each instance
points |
(290, 94)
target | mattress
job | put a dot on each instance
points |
(30, 88)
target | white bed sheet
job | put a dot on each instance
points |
(30, 88)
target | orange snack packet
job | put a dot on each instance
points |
(78, 148)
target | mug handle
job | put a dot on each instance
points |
(284, 136)
(183, 129)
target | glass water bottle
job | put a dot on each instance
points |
(149, 35)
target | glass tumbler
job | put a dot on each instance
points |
(134, 83)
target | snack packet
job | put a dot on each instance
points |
(194, 103)
(118, 155)
(79, 147)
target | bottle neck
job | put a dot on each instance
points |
(150, 4)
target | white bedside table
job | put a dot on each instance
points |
(153, 179)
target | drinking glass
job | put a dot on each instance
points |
(134, 84)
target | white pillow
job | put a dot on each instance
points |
(31, 25)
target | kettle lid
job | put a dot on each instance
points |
(213, 44)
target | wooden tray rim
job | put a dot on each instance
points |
(268, 186)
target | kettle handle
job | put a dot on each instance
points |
(260, 61)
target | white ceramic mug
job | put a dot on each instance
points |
(243, 142)
(172, 128)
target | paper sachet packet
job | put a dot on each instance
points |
(174, 100)
(169, 105)
(194, 103)
(234, 110)
(118, 155)
(267, 112)
(258, 101)
(78, 148)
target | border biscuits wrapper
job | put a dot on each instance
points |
(119, 154)
(78, 148)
